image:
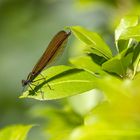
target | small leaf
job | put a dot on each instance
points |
(113, 88)
(122, 45)
(119, 63)
(61, 123)
(15, 132)
(125, 23)
(93, 40)
(59, 120)
(86, 63)
(103, 131)
(131, 32)
(83, 103)
(136, 59)
(64, 81)
(99, 58)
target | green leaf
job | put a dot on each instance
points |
(125, 23)
(97, 57)
(86, 63)
(59, 121)
(136, 59)
(92, 40)
(64, 81)
(131, 32)
(83, 103)
(122, 45)
(119, 63)
(114, 88)
(15, 132)
(135, 87)
(107, 132)
(109, 120)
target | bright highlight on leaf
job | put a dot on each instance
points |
(92, 40)
(122, 33)
(119, 63)
(131, 32)
(64, 81)
(15, 132)
(86, 63)
(126, 22)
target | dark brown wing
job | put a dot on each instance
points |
(53, 48)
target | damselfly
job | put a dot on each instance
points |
(55, 46)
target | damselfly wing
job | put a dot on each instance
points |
(55, 46)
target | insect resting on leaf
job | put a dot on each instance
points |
(55, 46)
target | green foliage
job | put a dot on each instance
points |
(93, 41)
(93, 2)
(119, 63)
(64, 81)
(86, 63)
(132, 32)
(116, 77)
(15, 132)
(60, 122)
(125, 23)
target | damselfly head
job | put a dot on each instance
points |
(24, 82)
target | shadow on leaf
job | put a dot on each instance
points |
(60, 75)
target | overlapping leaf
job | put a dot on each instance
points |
(131, 32)
(92, 40)
(120, 63)
(125, 23)
(15, 132)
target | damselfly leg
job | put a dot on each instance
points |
(43, 78)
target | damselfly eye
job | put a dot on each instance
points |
(24, 83)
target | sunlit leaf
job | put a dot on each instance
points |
(125, 23)
(96, 56)
(119, 63)
(105, 133)
(15, 132)
(113, 88)
(135, 88)
(108, 121)
(86, 63)
(64, 81)
(131, 32)
(136, 59)
(84, 103)
(66, 121)
(60, 121)
(93, 40)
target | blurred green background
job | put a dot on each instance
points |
(27, 26)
